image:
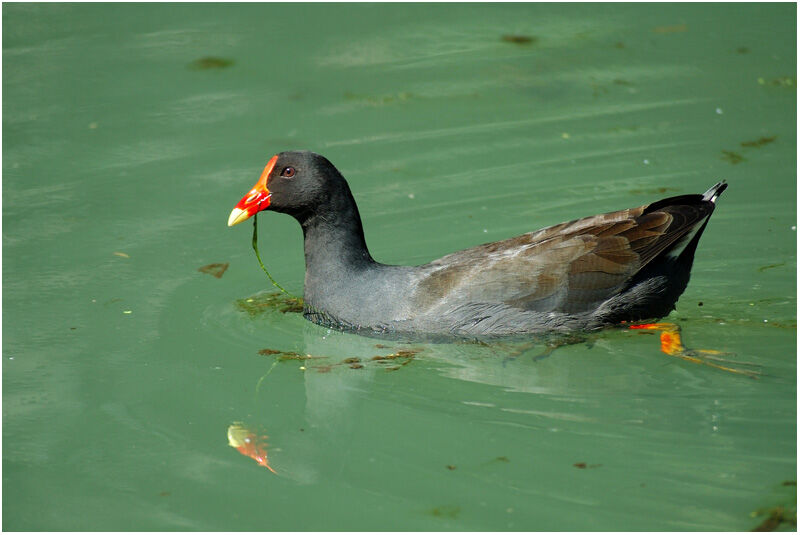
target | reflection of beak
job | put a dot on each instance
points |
(249, 444)
(257, 199)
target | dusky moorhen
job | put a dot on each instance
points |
(584, 274)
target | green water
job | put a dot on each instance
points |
(129, 133)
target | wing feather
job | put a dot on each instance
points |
(567, 267)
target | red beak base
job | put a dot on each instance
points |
(257, 199)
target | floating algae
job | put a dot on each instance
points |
(520, 39)
(216, 270)
(210, 62)
(655, 191)
(770, 266)
(677, 28)
(732, 157)
(776, 516)
(760, 142)
(446, 511)
(262, 303)
(379, 100)
(780, 81)
(391, 362)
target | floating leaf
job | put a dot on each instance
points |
(217, 270)
(677, 28)
(732, 157)
(781, 81)
(770, 266)
(520, 39)
(760, 142)
(449, 511)
(583, 465)
(210, 62)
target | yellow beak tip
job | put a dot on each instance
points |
(236, 217)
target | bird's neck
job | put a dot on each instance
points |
(334, 243)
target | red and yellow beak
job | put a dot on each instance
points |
(257, 199)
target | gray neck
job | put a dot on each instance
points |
(336, 253)
(333, 241)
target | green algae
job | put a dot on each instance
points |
(760, 142)
(732, 157)
(210, 63)
(262, 303)
(518, 39)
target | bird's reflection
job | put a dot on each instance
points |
(340, 371)
(312, 431)
(249, 443)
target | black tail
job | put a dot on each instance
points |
(673, 265)
(715, 191)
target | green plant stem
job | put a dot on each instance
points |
(260, 263)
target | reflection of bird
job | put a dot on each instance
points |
(249, 443)
(587, 273)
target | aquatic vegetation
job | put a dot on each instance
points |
(520, 39)
(392, 362)
(780, 81)
(760, 142)
(770, 266)
(677, 28)
(262, 303)
(379, 100)
(776, 517)
(210, 62)
(735, 157)
(603, 87)
(446, 511)
(286, 355)
(264, 268)
(651, 191)
(216, 270)
(732, 157)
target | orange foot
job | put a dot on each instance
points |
(672, 345)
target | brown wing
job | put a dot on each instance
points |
(564, 268)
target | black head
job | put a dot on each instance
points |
(293, 182)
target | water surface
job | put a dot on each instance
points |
(129, 133)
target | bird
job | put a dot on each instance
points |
(581, 275)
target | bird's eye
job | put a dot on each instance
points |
(288, 172)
